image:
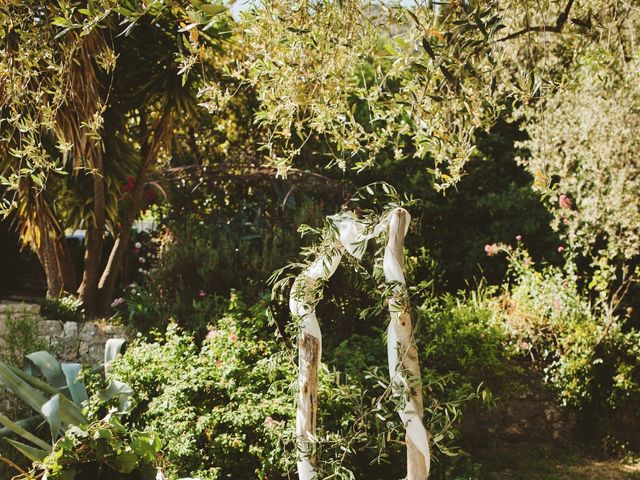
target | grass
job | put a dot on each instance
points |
(547, 462)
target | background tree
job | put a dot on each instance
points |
(89, 107)
(583, 142)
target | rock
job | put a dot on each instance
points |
(68, 341)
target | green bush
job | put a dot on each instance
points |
(225, 409)
(584, 348)
(209, 404)
(64, 309)
(463, 339)
(103, 449)
(193, 264)
(21, 336)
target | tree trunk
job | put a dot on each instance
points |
(94, 241)
(47, 256)
(66, 264)
(51, 248)
(308, 365)
(107, 284)
(83, 106)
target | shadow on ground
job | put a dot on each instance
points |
(526, 461)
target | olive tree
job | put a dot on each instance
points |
(584, 145)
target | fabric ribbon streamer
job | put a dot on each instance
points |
(400, 348)
(352, 238)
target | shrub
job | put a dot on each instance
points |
(224, 409)
(195, 262)
(209, 404)
(64, 309)
(21, 336)
(464, 340)
(586, 351)
(103, 449)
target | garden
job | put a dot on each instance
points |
(319, 239)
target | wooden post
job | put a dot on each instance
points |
(404, 367)
(303, 297)
(308, 364)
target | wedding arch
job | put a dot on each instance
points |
(349, 235)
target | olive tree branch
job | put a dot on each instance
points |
(556, 28)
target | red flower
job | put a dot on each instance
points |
(130, 185)
(150, 195)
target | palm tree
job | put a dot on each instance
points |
(116, 96)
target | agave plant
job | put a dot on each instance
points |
(58, 400)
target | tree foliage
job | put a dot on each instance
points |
(368, 77)
(89, 101)
(583, 135)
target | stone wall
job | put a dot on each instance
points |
(67, 341)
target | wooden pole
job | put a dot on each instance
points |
(308, 364)
(404, 367)
(304, 294)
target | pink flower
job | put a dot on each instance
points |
(233, 337)
(565, 221)
(518, 237)
(270, 422)
(202, 293)
(213, 333)
(117, 302)
(565, 202)
(491, 250)
(560, 249)
(527, 262)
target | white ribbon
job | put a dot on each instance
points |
(353, 238)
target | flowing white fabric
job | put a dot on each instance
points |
(353, 237)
